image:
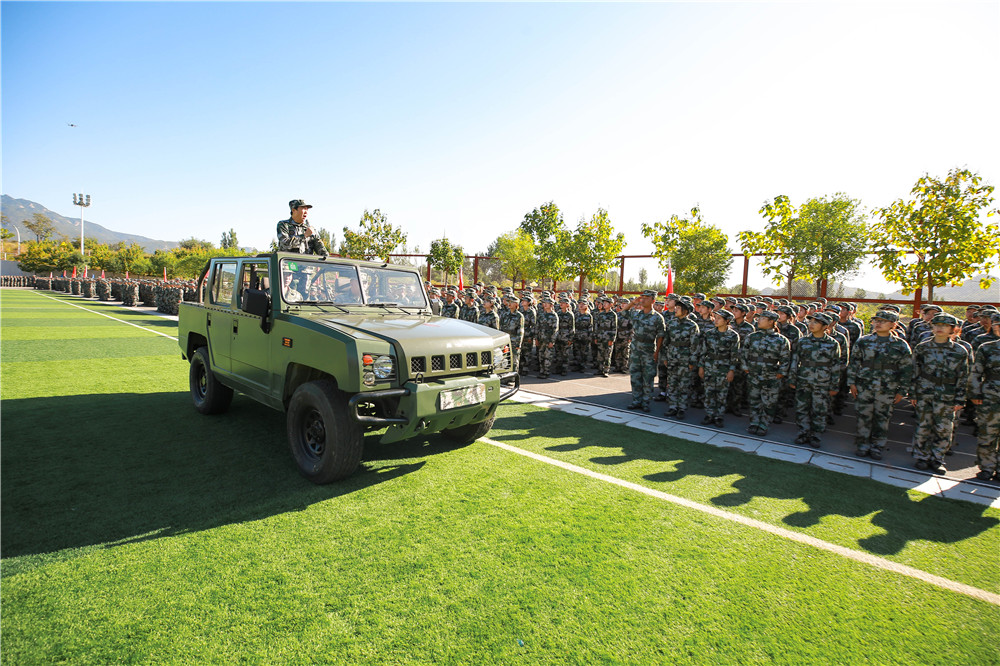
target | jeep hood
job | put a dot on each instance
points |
(418, 335)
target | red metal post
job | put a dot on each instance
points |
(917, 297)
(621, 279)
(475, 269)
(746, 273)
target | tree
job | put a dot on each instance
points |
(39, 257)
(229, 241)
(329, 240)
(41, 226)
(702, 259)
(861, 293)
(515, 255)
(824, 239)
(446, 257)
(546, 227)
(643, 276)
(131, 259)
(594, 247)
(941, 225)
(5, 233)
(196, 244)
(375, 239)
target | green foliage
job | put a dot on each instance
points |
(41, 226)
(446, 257)
(39, 257)
(515, 253)
(375, 239)
(229, 241)
(823, 239)
(701, 260)
(546, 227)
(328, 238)
(697, 252)
(942, 224)
(594, 247)
(6, 233)
(643, 276)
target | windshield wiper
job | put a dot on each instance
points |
(383, 305)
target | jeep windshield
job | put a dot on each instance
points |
(326, 283)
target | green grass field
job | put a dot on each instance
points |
(135, 530)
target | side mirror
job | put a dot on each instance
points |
(256, 302)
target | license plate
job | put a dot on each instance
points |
(463, 397)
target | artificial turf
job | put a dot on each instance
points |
(136, 530)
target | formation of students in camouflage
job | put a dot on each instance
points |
(765, 357)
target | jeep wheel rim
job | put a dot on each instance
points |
(314, 433)
(202, 385)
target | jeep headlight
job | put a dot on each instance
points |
(383, 367)
(500, 357)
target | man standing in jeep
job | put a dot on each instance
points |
(295, 236)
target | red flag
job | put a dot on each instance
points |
(670, 278)
(64, 272)
(50, 275)
(102, 273)
(126, 274)
(461, 285)
(74, 272)
(164, 273)
(84, 272)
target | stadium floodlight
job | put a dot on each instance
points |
(83, 201)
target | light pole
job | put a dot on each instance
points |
(83, 202)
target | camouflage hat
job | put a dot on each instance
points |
(435, 291)
(545, 299)
(701, 296)
(821, 300)
(725, 314)
(786, 309)
(995, 318)
(649, 292)
(742, 308)
(833, 308)
(850, 306)
(945, 318)
(489, 299)
(673, 296)
(470, 292)
(769, 314)
(987, 308)
(801, 306)
(686, 304)
(821, 318)
(583, 304)
(731, 299)
(886, 315)
(298, 203)
(563, 300)
(928, 307)
(708, 304)
(972, 307)
(891, 307)
(768, 300)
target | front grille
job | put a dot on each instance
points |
(455, 362)
(470, 360)
(418, 364)
(437, 363)
(487, 357)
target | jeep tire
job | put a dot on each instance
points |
(325, 441)
(210, 396)
(470, 432)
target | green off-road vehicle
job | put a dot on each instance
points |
(342, 346)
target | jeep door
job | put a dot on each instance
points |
(219, 313)
(250, 351)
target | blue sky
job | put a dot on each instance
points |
(193, 118)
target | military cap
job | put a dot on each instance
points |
(701, 296)
(821, 318)
(686, 304)
(298, 203)
(731, 299)
(470, 292)
(741, 308)
(435, 291)
(649, 292)
(564, 300)
(584, 302)
(927, 307)
(708, 304)
(673, 296)
(821, 300)
(489, 299)
(971, 307)
(833, 308)
(987, 308)
(768, 300)
(784, 301)
(850, 306)
(545, 299)
(480, 284)
(995, 318)
(770, 314)
(886, 315)
(801, 306)
(891, 307)
(945, 318)
(760, 306)
(725, 314)
(786, 309)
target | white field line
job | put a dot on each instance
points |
(109, 317)
(855, 555)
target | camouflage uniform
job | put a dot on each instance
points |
(583, 352)
(605, 330)
(512, 323)
(449, 310)
(490, 319)
(529, 355)
(564, 337)
(880, 369)
(765, 355)
(786, 395)
(623, 342)
(546, 330)
(739, 389)
(718, 355)
(680, 344)
(646, 328)
(469, 313)
(940, 375)
(292, 236)
(984, 384)
(697, 386)
(814, 371)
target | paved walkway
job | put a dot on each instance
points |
(605, 399)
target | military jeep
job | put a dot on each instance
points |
(342, 347)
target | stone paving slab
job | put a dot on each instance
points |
(783, 452)
(842, 465)
(581, 409)
(692, 433)
(971, 493)
(649, 424)
(616, 416)
(747, 444)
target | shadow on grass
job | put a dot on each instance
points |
(824, 493)
(105, 469)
